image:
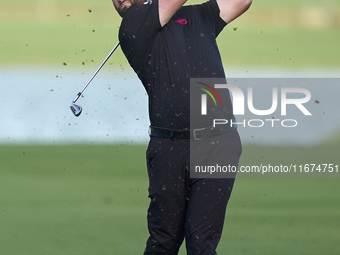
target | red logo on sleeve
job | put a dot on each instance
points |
(181, 21)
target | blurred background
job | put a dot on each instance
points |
(79, 185)
(49, 49)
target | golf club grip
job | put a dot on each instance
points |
(100, 67)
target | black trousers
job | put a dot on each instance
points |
(182, 207)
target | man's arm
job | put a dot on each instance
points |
(167, 8)
(231, 9)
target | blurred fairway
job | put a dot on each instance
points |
(92, 199)
(290, 34)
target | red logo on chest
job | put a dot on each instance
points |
(181, 21)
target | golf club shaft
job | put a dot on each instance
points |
(100, 67)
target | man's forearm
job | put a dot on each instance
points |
(231, 9)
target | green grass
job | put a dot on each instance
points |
(271, 34)
(89, 199)
(92, 199)
(292, 48)
(73, 45)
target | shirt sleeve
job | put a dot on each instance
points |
(210, 12)
(138, 26)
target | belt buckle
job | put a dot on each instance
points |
(195, 136)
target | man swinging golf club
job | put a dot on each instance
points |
(167, 44)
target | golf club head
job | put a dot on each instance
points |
(76, 109)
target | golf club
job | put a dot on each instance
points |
(76, 109)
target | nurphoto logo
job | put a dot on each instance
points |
(280, 98)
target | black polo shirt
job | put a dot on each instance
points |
(165, 58)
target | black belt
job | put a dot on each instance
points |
(196, 134)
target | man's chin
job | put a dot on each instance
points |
(122, 11)
(127, 5)
(124, 8)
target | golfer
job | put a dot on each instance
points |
(167, 44)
